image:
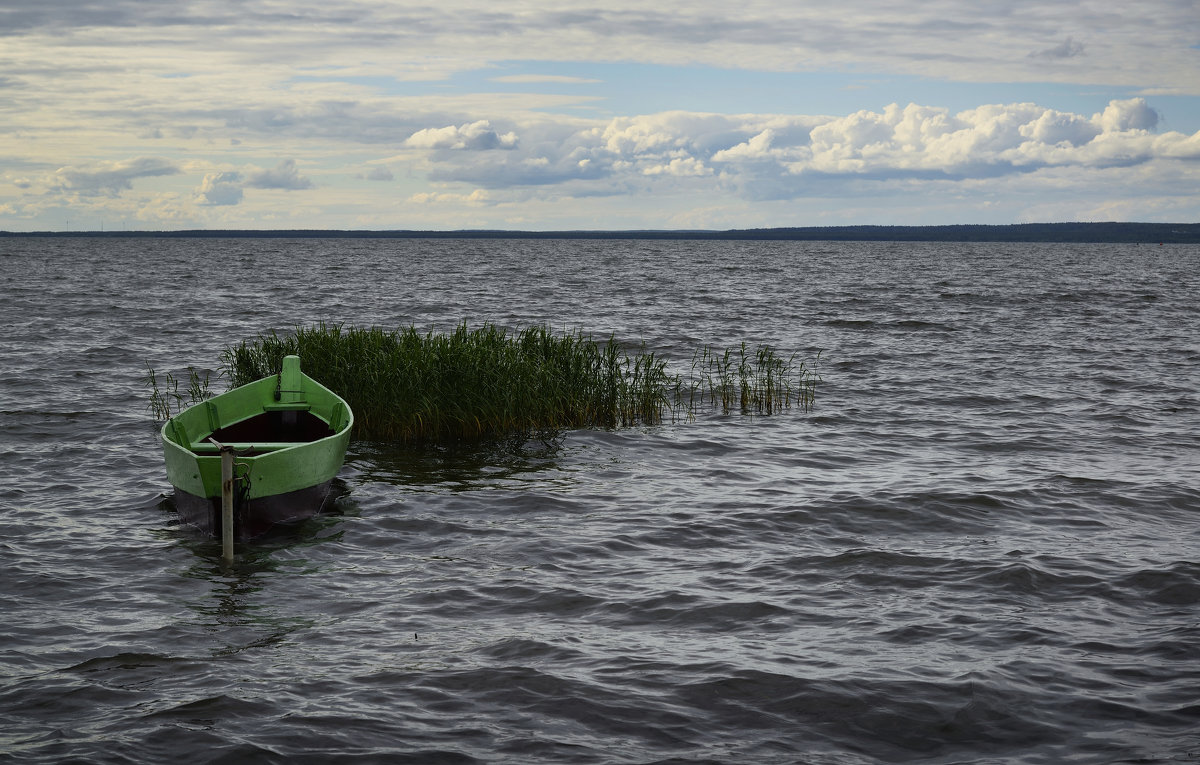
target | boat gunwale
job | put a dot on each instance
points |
(196, 470)
(169, 437)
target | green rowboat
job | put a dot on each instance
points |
(289, 434)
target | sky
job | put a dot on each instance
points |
(564, 115)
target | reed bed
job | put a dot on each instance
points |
(469, 384)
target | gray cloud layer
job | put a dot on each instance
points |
(111, 178)
(1147, 44)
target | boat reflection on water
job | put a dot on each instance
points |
(315, 529)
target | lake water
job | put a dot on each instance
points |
(982, 545)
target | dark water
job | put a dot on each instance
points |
(982, 546)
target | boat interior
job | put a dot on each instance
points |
(268, 431)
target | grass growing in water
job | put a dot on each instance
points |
(758, 382)
(166, 400)
(477, 383)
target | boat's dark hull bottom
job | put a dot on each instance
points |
(253, 518)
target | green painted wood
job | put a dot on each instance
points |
(214, 416)
(293, 406)
(291, 381)
(179, 431)
(338, 417)
(290, 467)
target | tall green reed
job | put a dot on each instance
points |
(469, 384)
(165, 398)
(749, 382)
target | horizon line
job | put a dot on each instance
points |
(1080, 232)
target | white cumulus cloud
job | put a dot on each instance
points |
(474, 136)
(1132, 114)
(778, 156)
(981, 142)
(1055, 127)
(679, 167)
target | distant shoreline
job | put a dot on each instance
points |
(1144, 233)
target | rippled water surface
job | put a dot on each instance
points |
(980, 546)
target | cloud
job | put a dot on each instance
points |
(379, 173)
(994, 139)
(558, 79)
(781, 156)
(283, 176)
(1055, 127)
(757, 147)
(474, 136)
(476, 197)
(226, 188)
(1068, 48)
(110, 178)
(1133, 114)
(679, 167)
(220, 189)
(216, 85)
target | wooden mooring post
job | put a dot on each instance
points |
(226, 503)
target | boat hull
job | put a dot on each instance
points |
(255, 517)
(289, 434)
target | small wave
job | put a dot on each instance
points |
(522, 650)
(130, 661)
(676, 610)
(212, 709)
(1025, 581)
(888, 720)
(905, 325)
(911, 513)
(851, 323)
(1177, 585)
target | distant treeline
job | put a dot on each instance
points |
(1147, 233)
